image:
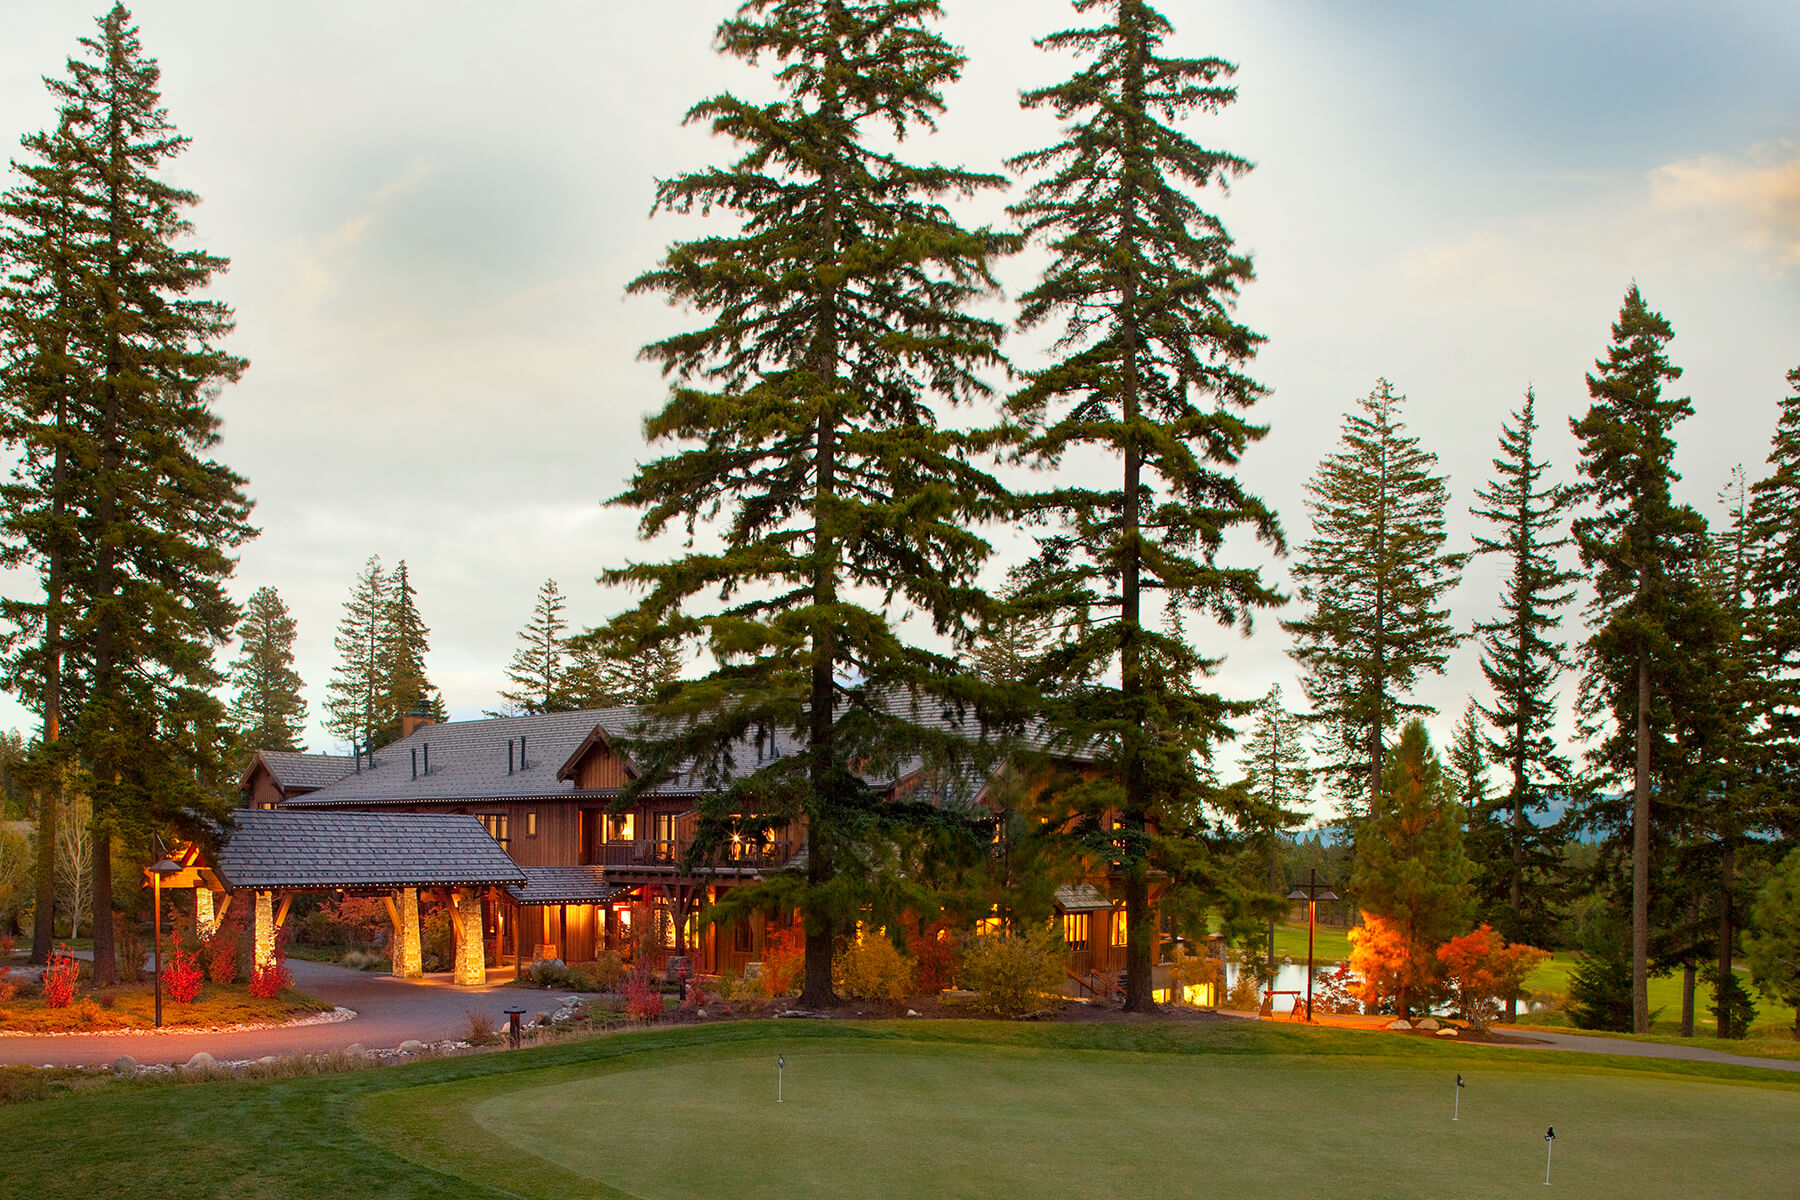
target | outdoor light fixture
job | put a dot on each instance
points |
(163, 868)
(1312, 891)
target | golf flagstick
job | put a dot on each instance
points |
(1549, 1149)
(780, 1065)
(1456, 1110)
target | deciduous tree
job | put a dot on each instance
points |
(1150, 371)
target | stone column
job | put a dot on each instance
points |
(265, 930)
(406, 949)
(471, 968)
(205, 924)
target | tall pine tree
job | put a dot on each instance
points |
(1643, 550)
(1522, 658)
(137, 351)
(353, 697)
(268, 712)
(400, 661)
(44, 422)
(1774, 619)
(801, 433)
(539, 670)
(1375, 579)
(1149, 371)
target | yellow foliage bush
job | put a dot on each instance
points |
(873, 970)
(1015, 976)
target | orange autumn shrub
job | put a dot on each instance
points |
(1484, 970)
(1391, 967)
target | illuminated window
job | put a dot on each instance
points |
(1075, 930)
(1118, 928)
(495, 824)
(619, 827)
(530, 824)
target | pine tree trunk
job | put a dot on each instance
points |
(43, 922)
(1687, 970)
(1725, 932)
(106, 959)
(1640, 857)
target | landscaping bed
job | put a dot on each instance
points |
(133, 1006)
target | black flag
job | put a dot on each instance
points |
(1459, 1082)
(1550, 1134)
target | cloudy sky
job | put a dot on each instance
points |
(432, 210)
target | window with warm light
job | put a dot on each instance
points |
(495, 824)
(1118, 928)
(619, 827)
(531, 824)
(1075, 930)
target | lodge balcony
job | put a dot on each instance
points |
(671, 854)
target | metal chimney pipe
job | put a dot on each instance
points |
(427, 758)
(415, 762)
(521, 752)
(509, 765)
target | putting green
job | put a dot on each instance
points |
(904, 1119)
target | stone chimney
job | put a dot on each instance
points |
(418, 718)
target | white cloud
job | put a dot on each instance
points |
(1753, 200)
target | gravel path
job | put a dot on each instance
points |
(388, 1011)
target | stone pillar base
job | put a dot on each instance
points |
(471, 965)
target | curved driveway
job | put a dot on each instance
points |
(389, 1011)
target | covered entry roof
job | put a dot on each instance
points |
(564, 885)
(311, 850)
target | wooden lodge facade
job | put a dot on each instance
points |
(544, 787)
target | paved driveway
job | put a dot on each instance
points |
(389, 1011)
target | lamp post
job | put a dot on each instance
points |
(1312, 891)
(164, 868)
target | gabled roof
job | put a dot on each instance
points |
(297, 771)
(282, 848)
(595, 739)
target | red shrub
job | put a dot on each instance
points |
(59, 979)
(938, 953)
(642, 999)
(267, 982)
(222, 954)
(182, 977)
(784, 961)
(7, 990)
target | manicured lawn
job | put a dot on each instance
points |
(133, 1006)
(931, 1109)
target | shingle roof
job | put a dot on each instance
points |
(283, 848)
(293, 769)
(564, 885)
(1081, 897)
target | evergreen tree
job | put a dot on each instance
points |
(1642, 549)
(44, 421)
(1774, 619)
(1410, 869)
(400, 661)
(1150, 371)
(1276, 783)
(1374, 578)
(354, 696)
(268, 712)
(1516, 855)
(143, 604)
(803, 435)
(540, 667)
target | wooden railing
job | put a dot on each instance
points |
(648, 852)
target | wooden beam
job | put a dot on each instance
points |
(287, 902)
(224, 906)
(392, 912)
(515, 925)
